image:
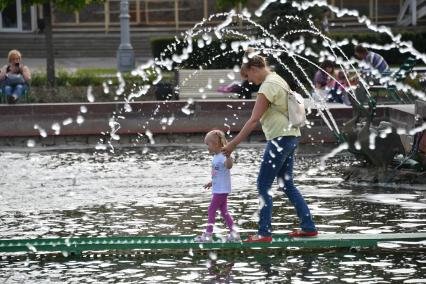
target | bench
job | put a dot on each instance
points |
(203, 84)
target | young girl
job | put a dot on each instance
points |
(221, 186)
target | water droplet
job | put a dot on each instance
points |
(67, 121)
(200, 43)
(105, 87)
(31, 143)
(41, 131)
(56, 127)
(150, 137)
(79, 119)
(90, 96)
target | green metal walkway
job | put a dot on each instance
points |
(322, 241)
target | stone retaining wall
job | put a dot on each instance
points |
(169, 122)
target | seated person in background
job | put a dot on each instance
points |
(339, 93)
(247, 89)
(374, 60)
(14, 77)
(233, 87)
(244, 89)
(323, 81)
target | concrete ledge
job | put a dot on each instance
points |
(172, 121)
(402, 117)
(420, 109)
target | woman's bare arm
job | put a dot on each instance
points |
(259, 109)
(3, 73)
(26, 73)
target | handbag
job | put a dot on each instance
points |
(296, 110)
(14, 79)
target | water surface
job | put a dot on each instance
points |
(160, 192)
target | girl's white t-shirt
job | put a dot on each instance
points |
(221, 176)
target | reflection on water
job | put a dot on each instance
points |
(160, 193)
(304, 268)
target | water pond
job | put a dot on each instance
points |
(159, 192)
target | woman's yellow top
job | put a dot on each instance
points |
(275, 120)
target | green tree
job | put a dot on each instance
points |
(64, 5)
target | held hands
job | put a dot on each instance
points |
(208, 185)
(228, 149)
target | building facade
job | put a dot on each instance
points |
(143, 13)
(18, 18)
(175, 14)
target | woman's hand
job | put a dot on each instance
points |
(16, 68)
(260, 107)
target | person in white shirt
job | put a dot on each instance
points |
(220, 185)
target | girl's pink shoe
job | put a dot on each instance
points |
(204, 238)
(233, 237)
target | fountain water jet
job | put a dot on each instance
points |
(294, 52)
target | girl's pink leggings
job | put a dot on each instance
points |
(219, 201)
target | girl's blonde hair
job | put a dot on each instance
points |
(220, 135)
(253, 60)
(13, 52)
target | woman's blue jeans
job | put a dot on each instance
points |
(278, 163)
(17, 90)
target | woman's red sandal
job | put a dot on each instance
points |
(250, 239)
(300, 233)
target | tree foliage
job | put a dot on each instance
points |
(233, 3)
(64, 5)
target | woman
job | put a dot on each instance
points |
(14, 77)
(270, 110)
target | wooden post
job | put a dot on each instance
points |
(239, 10)
(377, 10)
(106, 12)
(146, 12)
(77, 17)
(40, 11)
(206, 9)
(52, 14)
(177, 14)
(138, 11)
(414, 13)
(333, 3)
